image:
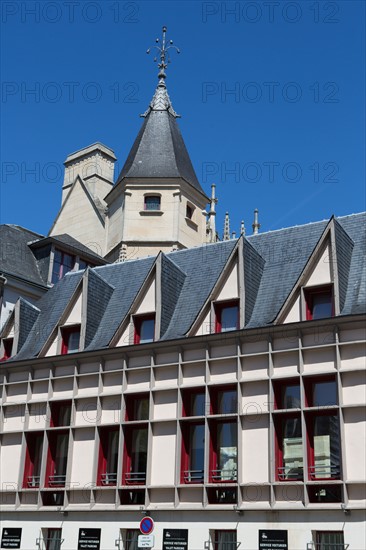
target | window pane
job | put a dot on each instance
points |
(147, 328)
(140, 408)
(322, 305)
(37, 457)
(112, 454)
(132, 539)
(62, 443)
(291, 397)
(56, 270)
(198, 402)
(73, 341)
(326, 447)
(324, 393)
(226, 450)
(139, 454)
(53, 539)
(197, 449)
(229, 318)
(226, 402)
(152, 203)
(292, 455)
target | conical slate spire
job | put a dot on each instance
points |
(159, 150)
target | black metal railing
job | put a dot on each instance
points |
(109, 478)
(319, 472)
(57, 480)
(193, 476)
(135, 477)
(223, 475)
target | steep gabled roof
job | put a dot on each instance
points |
(74, 246)
(159, 150)
(16, 258)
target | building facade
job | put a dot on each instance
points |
(219, 390)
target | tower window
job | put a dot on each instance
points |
(152, 202)
(189, 211)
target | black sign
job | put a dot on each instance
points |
(272, 539)
(10, 538)
(89, 539)
(175, 539)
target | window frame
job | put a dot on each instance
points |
(218, 309)
(279, 451)
(185, 471)
(226, 545)
(187, 394)
(127, 455)
(152, 196)
(319, 543)
(310, 292)
(61, 272)
(104, 449)
(8, 346)
(130, 403)
(66, 332)
(214, 475)
(52, 460)
(214, 392)
(49, 542)
(310, 425)
(29, 476)
(137, 324)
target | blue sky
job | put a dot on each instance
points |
(271, 96)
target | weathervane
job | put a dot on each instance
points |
(163, 50)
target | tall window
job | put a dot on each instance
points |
(57, 459)
(224, 400)
(62, 264)
(193, 456)
(137, 406)
(194, 402)
(290, 449)
(32, 469)
(189, 211)
(227, 316)
(319, 302)
(329, 540)
(60, 413)
(108, 457)
(135, 456)
(324, 446)
(224, 447)
(152, 202)
(225, 540)
(70, 339)
(144, 328)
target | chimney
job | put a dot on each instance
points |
(95, 166)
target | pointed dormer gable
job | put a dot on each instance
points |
(52, 307)
(225, 299)
(142, 320)
(325, 272)
(253, 271)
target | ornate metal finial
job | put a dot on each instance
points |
(163, 49)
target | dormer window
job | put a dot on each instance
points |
(227, 316)
(152, 202)
(144, 329)
(8, 348)
(62, 264)
(319, 302)
(70, 339)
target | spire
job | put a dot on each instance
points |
(159, 150)
(256, 225)
(161, 100)
(226, 236)
(212, 216)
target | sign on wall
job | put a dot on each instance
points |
(145, 541)
(272, 539)
(10, 538)
(89, 539)
(147, 525)
(175, 539)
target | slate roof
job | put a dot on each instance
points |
(74, 246)
(16, 258)
(273, 263)
(159, 150)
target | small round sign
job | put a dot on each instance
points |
(147, 525)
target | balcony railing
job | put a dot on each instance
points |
(135, 478)
(33, 482)
(109, 478)
(57, 480)
(332, 471)
(223, 475)
(290, 474)
(193, 476)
